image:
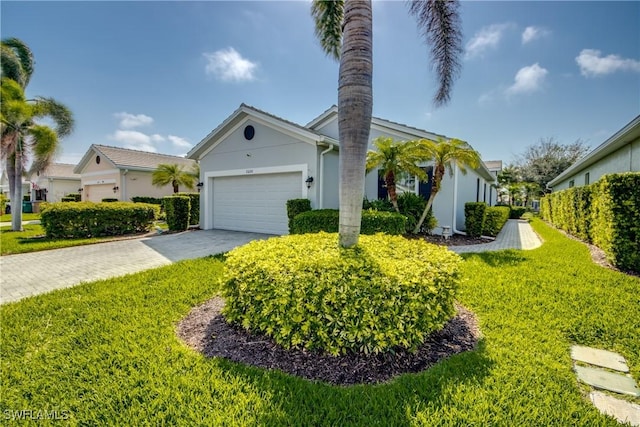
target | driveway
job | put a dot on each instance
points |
(35, 273)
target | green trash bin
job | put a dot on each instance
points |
(26, 207)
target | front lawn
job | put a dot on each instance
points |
(107, 353)
(32, 239)
(25, 217)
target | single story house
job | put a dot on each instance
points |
(494, 167)
(619, 153)
(253, 162)
(55, 182)
(121, 173)
(4, 185)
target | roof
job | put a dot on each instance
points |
(125, 158)
(241, 114)
(60, 170)
(628, 133)
(493, 164)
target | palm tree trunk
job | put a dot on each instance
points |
(175, 187)
(355, 104)
(390, 180)
(438, 173)
(16, 198)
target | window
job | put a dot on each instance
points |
(478, 190)
(586, 178)
(571, 183)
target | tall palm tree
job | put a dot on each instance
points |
(395, 158)
(344, 28)
(21, 134)
(173, 174)
(445, 155)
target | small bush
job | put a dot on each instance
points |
(177, 210)
(109, 200)
(327, 220)
(194, 212)
(68, 199)
(377, 205)
(295, 207)
(145, 199)
(72, 220)
(75, 196)
(3, 203)
(494, 219)
(474, 213)
(306, 291)
(517, 212)
(411, 205)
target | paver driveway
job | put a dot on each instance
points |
(39, 272)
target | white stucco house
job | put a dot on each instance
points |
(619, 153)
(121, 173)
(55, 182)
(253, 162)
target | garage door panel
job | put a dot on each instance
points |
(254, 203)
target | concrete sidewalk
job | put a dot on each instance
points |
(516, 234)
(35, 273)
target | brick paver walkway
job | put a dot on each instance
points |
(516, 234)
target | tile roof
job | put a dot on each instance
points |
(124, 157)
(493, 164)
(60, 170)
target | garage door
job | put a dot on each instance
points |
(95, 193)
(255, 203)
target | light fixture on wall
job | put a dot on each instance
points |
(200, 185)
(309, 180)
(115, 189)
(80, 190)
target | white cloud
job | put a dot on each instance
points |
(157, 138)
(134, 140)
(130, 121)
(485, 39)
(229, 65)
(179, 142)
(528, 79)
(592, 63)
(532, 33)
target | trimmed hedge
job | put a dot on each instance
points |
(474, 213)
(71, 220)
(145, 199)
(109, 200)
(295, 207)
(327, 220)
(411, 205)
(306, 291)
(517, 212)
(605, 213)
(194, 213)
(177, 209)
(494, 219)
(71, 197)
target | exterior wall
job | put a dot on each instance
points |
(331, 181)
(138, 183)
(109, 177)
(330, 129)
(269, 148)
(57, 188)
(625, 159)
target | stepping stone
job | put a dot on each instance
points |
(606, 380)
(604, 358)
(621, 410)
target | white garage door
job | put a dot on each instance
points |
(255, 203)
(97, 192)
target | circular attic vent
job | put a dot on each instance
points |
(249, 132)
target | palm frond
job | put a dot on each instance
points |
(24, 55)
(328, 16)
(58, 112)
(439, 22)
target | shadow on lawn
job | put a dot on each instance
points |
(499, 258)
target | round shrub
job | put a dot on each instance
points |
(306, 291)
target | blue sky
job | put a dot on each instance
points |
(159, 76)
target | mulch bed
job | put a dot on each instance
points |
(454, 240)
(206, 331)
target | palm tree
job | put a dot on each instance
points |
(173, 174)
(344, 28)
(395, 158)
(21, 134)
(445, 155)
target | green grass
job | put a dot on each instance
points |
(25, 217)
(32, 239)
(106, 352)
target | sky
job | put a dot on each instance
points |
(159, 76)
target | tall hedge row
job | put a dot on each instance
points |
(327, 220)
(605, 213)
(177, 209)
(483, 220)
(474, 217)
(71, 220)
(194, 203)
(494, 219)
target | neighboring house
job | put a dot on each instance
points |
(120, 173)
(253, 162)
(4, 185)
(55, 182)
(619, 153)
(494, 167)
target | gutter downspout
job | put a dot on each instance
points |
(321, 177)
(124, 185)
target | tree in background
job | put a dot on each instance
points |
(395, 158)
(23, 138)
(345, 31)
(547, 159)
(175, 175)
(446, 155)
